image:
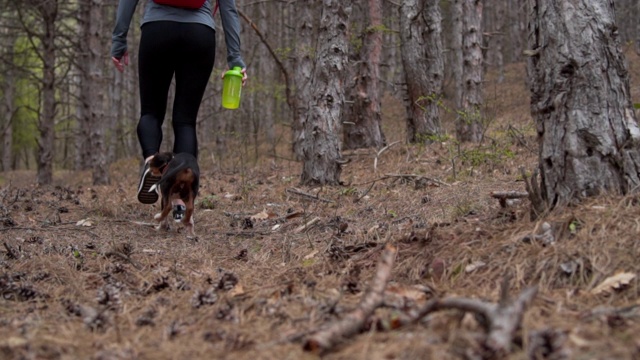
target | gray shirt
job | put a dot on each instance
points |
(157, 12)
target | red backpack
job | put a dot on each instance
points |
(187, 4)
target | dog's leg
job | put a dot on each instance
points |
(188, 220)
(161, 217)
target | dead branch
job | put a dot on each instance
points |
(415, 177)
(538, 206)
(306, 226)
(281, 66)
(379, 153)
(503, 196)
(303, 194)
(503, 319)
(353, 322)
(11, 253)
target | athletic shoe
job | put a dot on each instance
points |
(147, 180)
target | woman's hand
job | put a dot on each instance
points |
(244, 76)
(122, 62)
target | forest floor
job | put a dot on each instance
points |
(84, 276)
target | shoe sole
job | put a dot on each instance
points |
(144, 195)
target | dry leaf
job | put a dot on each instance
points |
(84, 222)
(474, 266)
(237, 290)
(612, 283)
(263, 215)
(310, 255)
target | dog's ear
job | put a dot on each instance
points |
(160, 159)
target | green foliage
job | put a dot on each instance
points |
(308, 262)
(208, 202)
(355, 43)
(348, 191)
(464, 208)
(493, 155)
(636, 106)
(379, 28)
(433, 138)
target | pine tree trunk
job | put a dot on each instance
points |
(8, 106)
(305, 49)
(423, 62)
(363, 115)
(469, 123)
(580, 99)
(49, 12)
(92, 152)
(637, 29)
(456, 44)
(322, 127)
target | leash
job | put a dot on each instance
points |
(215, 9)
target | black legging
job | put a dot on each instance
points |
(167, 48)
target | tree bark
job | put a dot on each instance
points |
(322, 127)
(456, 45)
(304, 67)
(637, 29)
(423, 63)
(49, 12)
(469, 123)
(8, 106)
(92, 121)
(580, 99)
(363, 115)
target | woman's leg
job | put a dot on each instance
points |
(157, 59)
(193, 70)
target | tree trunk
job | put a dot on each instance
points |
(638, 29)
(49, 12)
(92, 152)
(363, 123)
(304, 67)
(322, 127)
(469, 123)
(98, 120)
(456, 45)
(580, 100)
(8, 106)
(423, 62)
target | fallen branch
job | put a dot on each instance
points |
(375, 161)
(501, 320)
(503, 196)
(416, 177)
(353, 322)
(281, 66)
(307, 225)
(297, 192)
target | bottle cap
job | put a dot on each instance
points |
(234, 72)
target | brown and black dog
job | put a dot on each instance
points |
(180, 179)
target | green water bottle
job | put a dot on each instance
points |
(231, 88)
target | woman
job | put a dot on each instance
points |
(175, 41)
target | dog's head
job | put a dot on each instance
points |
(159, 162)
